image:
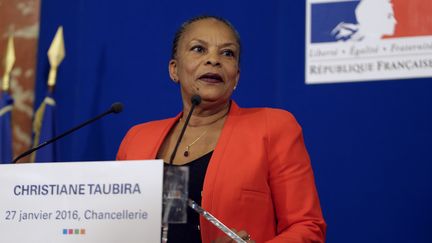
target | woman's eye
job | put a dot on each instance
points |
(228, 53)
(197, 49)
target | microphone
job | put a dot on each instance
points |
(115, 108)
(196, 100)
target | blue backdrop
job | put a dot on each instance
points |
(369, 142)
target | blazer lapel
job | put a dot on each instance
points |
(216, 165)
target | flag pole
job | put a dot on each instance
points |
(43, 124)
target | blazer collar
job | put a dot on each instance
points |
(216, 161)
(234, 110)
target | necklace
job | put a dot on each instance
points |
(186, 152)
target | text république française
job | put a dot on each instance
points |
(76, 189)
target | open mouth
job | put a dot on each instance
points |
(211, 78)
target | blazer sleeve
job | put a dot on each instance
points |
(297, 207)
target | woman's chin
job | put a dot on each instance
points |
(211, 92)
(213, 98)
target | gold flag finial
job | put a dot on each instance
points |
(9, 61)
(56, 54)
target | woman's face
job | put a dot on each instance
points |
(206, 62)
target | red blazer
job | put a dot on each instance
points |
(259, 177)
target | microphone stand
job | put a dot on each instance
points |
(195, 100)
(115, 108)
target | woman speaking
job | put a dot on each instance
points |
(248, 167)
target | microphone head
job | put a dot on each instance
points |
(117, 107)
(196, 99)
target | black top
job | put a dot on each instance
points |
(190, 231)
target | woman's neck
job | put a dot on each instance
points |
(203, 117)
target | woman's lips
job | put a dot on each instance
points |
(211, 78)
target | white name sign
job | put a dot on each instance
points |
(81, 202)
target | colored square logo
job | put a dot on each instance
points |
(73, 231)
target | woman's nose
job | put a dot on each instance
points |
(213, 59)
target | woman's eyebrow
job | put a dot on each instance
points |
(229, 44)
(220, 46)
(198, 40)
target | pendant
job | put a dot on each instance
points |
(186, 152)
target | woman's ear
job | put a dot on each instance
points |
(172, 68)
